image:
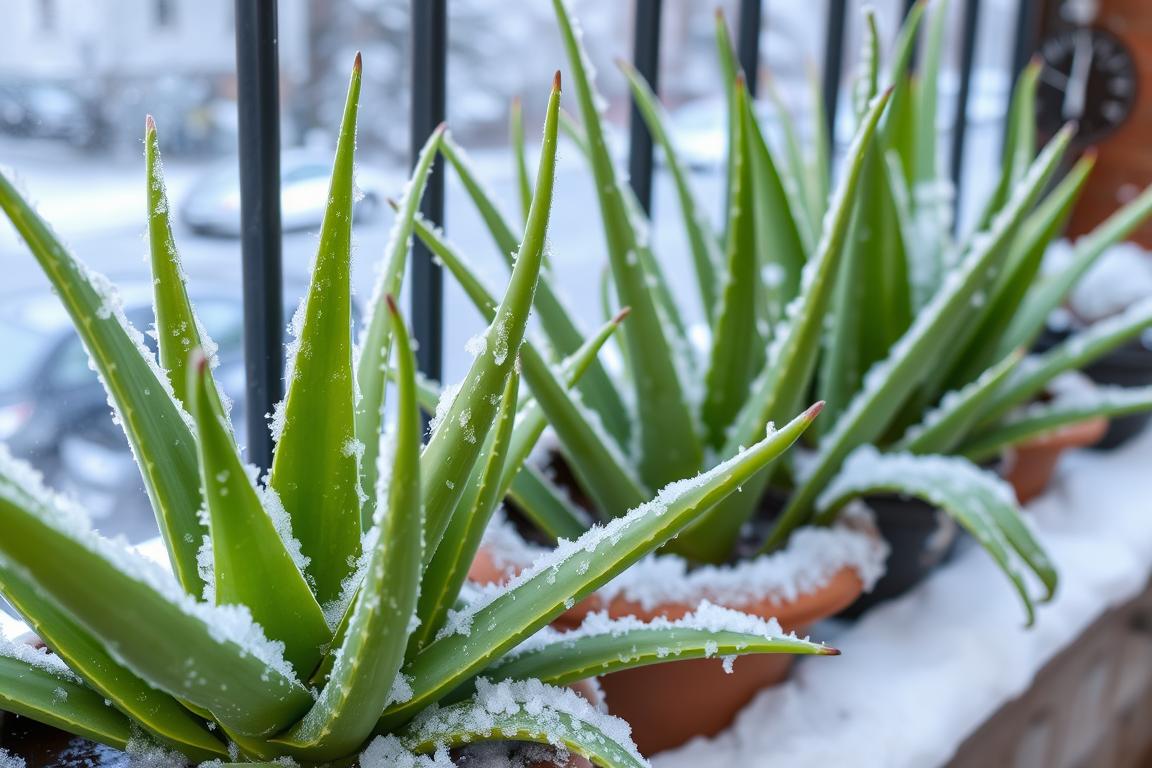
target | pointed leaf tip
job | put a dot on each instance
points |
(623, 313)
(149, 124)
(814, 410)
(739, 78)
(556, 81)
(358, 63)
(830, 651)
(719, 13)
(392, 305)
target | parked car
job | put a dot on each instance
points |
(213, 204)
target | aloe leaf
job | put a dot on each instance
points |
(1047, 417)
(316, 466)
(737, 346)
(251, 562)
(1047, 295)
(1075, 352)
(899, 129)
(452, 450)
(360, 684)
(945, 426)
(729, 67)
(158, 429)
(594, 455)
(570, 657)
(975, 345)
(777, 220)
(867, 83)
(30, 685)
(159, 714)
(1019, 141)
(668, 446)
(372, 351)
(701, 239)
(557, 322)
(819, 173)
(523, 178)
(448, 569)
(485, 630)
(178, 331)
(528, 712)
(926, 168)
(135, 610)
(798, 175)
(981, 502)
(889, 383)
(549, 508)
(795, 343)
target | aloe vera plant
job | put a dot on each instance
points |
(861, 294)
(320, 611)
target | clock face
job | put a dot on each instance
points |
(1087, 76)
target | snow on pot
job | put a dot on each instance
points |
(821, 572)
(1120, 278)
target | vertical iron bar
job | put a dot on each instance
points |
(646, 59)
(258, 106)
(960, 127)
(429, 83)
(748, 44)
(833, 64)
(1025, 46)
(908, 6)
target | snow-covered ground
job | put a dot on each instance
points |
(920, 674)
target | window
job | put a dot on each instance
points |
(48, 15)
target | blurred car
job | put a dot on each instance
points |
(46, 110)
(213, 204)
(55, 414)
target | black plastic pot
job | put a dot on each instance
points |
(920, 538)
(1126, 366)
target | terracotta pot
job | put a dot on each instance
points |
(653, 698)
(1029, 466)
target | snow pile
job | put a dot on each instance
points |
(921, 673)
(9, 760)
(37, 657)
(812, 558)
(1120, 277)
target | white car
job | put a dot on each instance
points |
(213, 204)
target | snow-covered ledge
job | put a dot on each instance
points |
(920, 674)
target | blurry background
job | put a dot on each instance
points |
(76, 80)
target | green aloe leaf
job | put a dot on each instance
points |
(899, 129)
(483, 631)
(32, 686)
(1075, 352)
(946, 425)
(1048, 417)
(127, 604)
(668, 446)
(557, 322)
(595, 457)
(926, 168)
(448, 569)
(549, 508)
(251, 562)
(158, 429)
(316, 467)
(981, 502)
(159, 714)
(452, 450)
(867, 84)
(523, 178)
(373, 350)
(1047, 295)
(178, 331)
(890, 382)
(737, 346)
(362, 679)
(565, 658)
(1019, 142)
(798, 174)
(701, 239)
(525, 712)
(975, 345)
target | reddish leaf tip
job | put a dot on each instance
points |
(623, 313)
(556, 81)
(358, 63)
(516, 103)
(392, 305)
(393, 203)
(830, 651)
(814, 410)
(1090, 154)
(199, 361)
(718, 12)
(739, 78)
(149, 124)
